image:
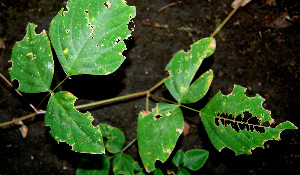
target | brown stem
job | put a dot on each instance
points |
(226, 20)
(22, 118)
(9, 85)
(125, 97)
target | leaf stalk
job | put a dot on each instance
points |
(124, 97)
(225, 20)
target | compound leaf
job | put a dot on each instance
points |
(95, 166)
(115, 138)
(182, 69)
(194, 159)
(88, 37)
(239, 122)
(32, 62)
(123, 164)
(158, 132)
(69, 125)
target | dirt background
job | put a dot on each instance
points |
(258, 48)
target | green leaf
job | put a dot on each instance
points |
(178, 158)
(182, 69)
(123, 164)
(194, 159)
(239, 122)
(158, 132)
(88, 37)
(137, 166)
(32, 62)
(182, 171)
(94, 166)
(157, 171)
(199, 88)
(69, 125)
(115, 138)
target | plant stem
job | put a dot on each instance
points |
(51, 91)
(225, 20)
(161, 98)
(22, 118)
(125, 97)
(147, 101)
(130, 96)
(192, 109)
(60, 83)
(17, 91)
(129, 144)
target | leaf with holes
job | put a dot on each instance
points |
(88, 37)
(69, 125)
(182, 69)
(32, 62)
(239, 122)
(158, 132)
(115, 138)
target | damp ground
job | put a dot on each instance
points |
(258, 49)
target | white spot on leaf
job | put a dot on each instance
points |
(49, 66)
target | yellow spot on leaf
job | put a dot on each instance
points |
(179, 130)
(66, 51)
(167, 151)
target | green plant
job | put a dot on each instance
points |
(87, 43)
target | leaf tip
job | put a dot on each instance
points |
(145, 113)
(212, 44)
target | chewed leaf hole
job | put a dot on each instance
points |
(157, 116)
(107, 4)
(169, 113)
(118, 40)
(131, 25)
(247, 121)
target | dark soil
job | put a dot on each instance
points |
(257, 49)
